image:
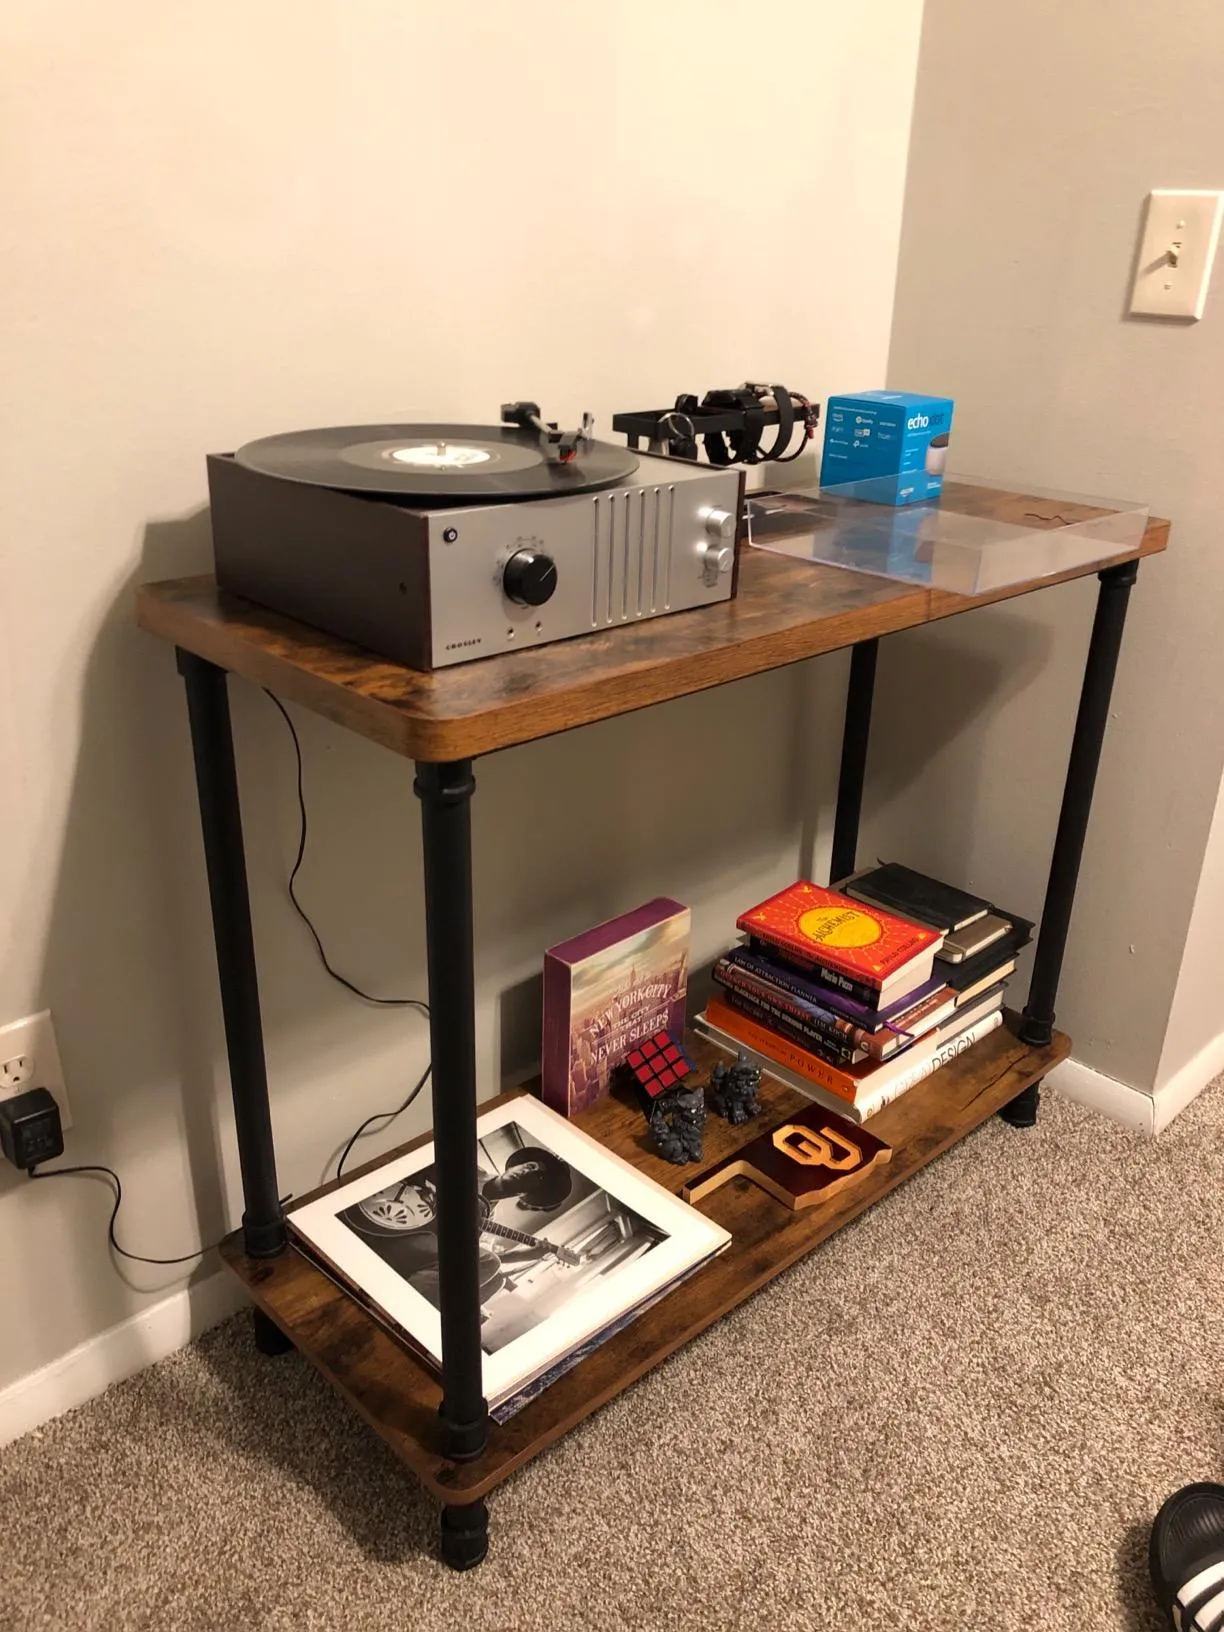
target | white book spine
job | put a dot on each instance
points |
(870, 1104)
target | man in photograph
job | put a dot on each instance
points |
(400, 1221)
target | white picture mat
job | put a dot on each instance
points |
(691, 1237)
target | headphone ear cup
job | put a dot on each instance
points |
(746, 443)
(738, 446)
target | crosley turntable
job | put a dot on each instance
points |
(436, 544)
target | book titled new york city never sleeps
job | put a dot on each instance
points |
(853, 946)
(604, 991)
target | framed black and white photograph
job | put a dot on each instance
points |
(571, 1240)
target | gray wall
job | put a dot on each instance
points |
(233, 220)
(1038, 130)
(1197, 1014)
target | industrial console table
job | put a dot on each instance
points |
(786, 610)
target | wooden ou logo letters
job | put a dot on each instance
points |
(817, 1149)
(801, 1161)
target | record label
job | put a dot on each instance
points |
(439, 456)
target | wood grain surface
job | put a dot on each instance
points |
(399, 1396)
(786, 610)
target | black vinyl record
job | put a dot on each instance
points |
(436, 464)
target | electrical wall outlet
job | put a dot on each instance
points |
(30, 1059)
(15, 1073)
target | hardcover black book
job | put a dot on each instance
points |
(914, 895)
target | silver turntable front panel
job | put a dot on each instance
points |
(504, 576)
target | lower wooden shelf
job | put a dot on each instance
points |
(398, 1396)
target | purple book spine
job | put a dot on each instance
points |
(555, 1043)
(870, 1019)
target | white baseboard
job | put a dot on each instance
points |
(1117, 1100)
(1172, 1097)
(1148, 1110)
(89, 1369)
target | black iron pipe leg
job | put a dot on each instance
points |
(445, 792)
(1090, 722)
(212, 745)
(855, 735)
(1037, 1023)
(269, 1339)
(1021, 1112)
(465, 1535)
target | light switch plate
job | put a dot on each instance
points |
(1180, 234)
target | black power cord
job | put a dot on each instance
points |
(384, 1002)
(136, 1257)
(384, 1117)
(109, 1172)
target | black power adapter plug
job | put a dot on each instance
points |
(30, 1129)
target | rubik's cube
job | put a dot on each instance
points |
(657, 1065)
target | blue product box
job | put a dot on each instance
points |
(889, 447)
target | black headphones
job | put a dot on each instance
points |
(738, 447)
(729, 424)
(752, 401)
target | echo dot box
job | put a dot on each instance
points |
(889, 447)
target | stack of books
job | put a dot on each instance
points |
(853, 995)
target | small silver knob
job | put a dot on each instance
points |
(720, 524)
(716, 560)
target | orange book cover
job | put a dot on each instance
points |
(855, 938)
(844, 1081)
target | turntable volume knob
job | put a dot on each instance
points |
(720, 524)
(530, 577)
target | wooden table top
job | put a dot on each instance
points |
(786, 610)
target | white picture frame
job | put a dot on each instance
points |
(633, 1239)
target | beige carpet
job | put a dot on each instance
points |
(962, 1412)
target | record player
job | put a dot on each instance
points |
(436, 544)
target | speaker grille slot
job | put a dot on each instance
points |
(631, 555)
